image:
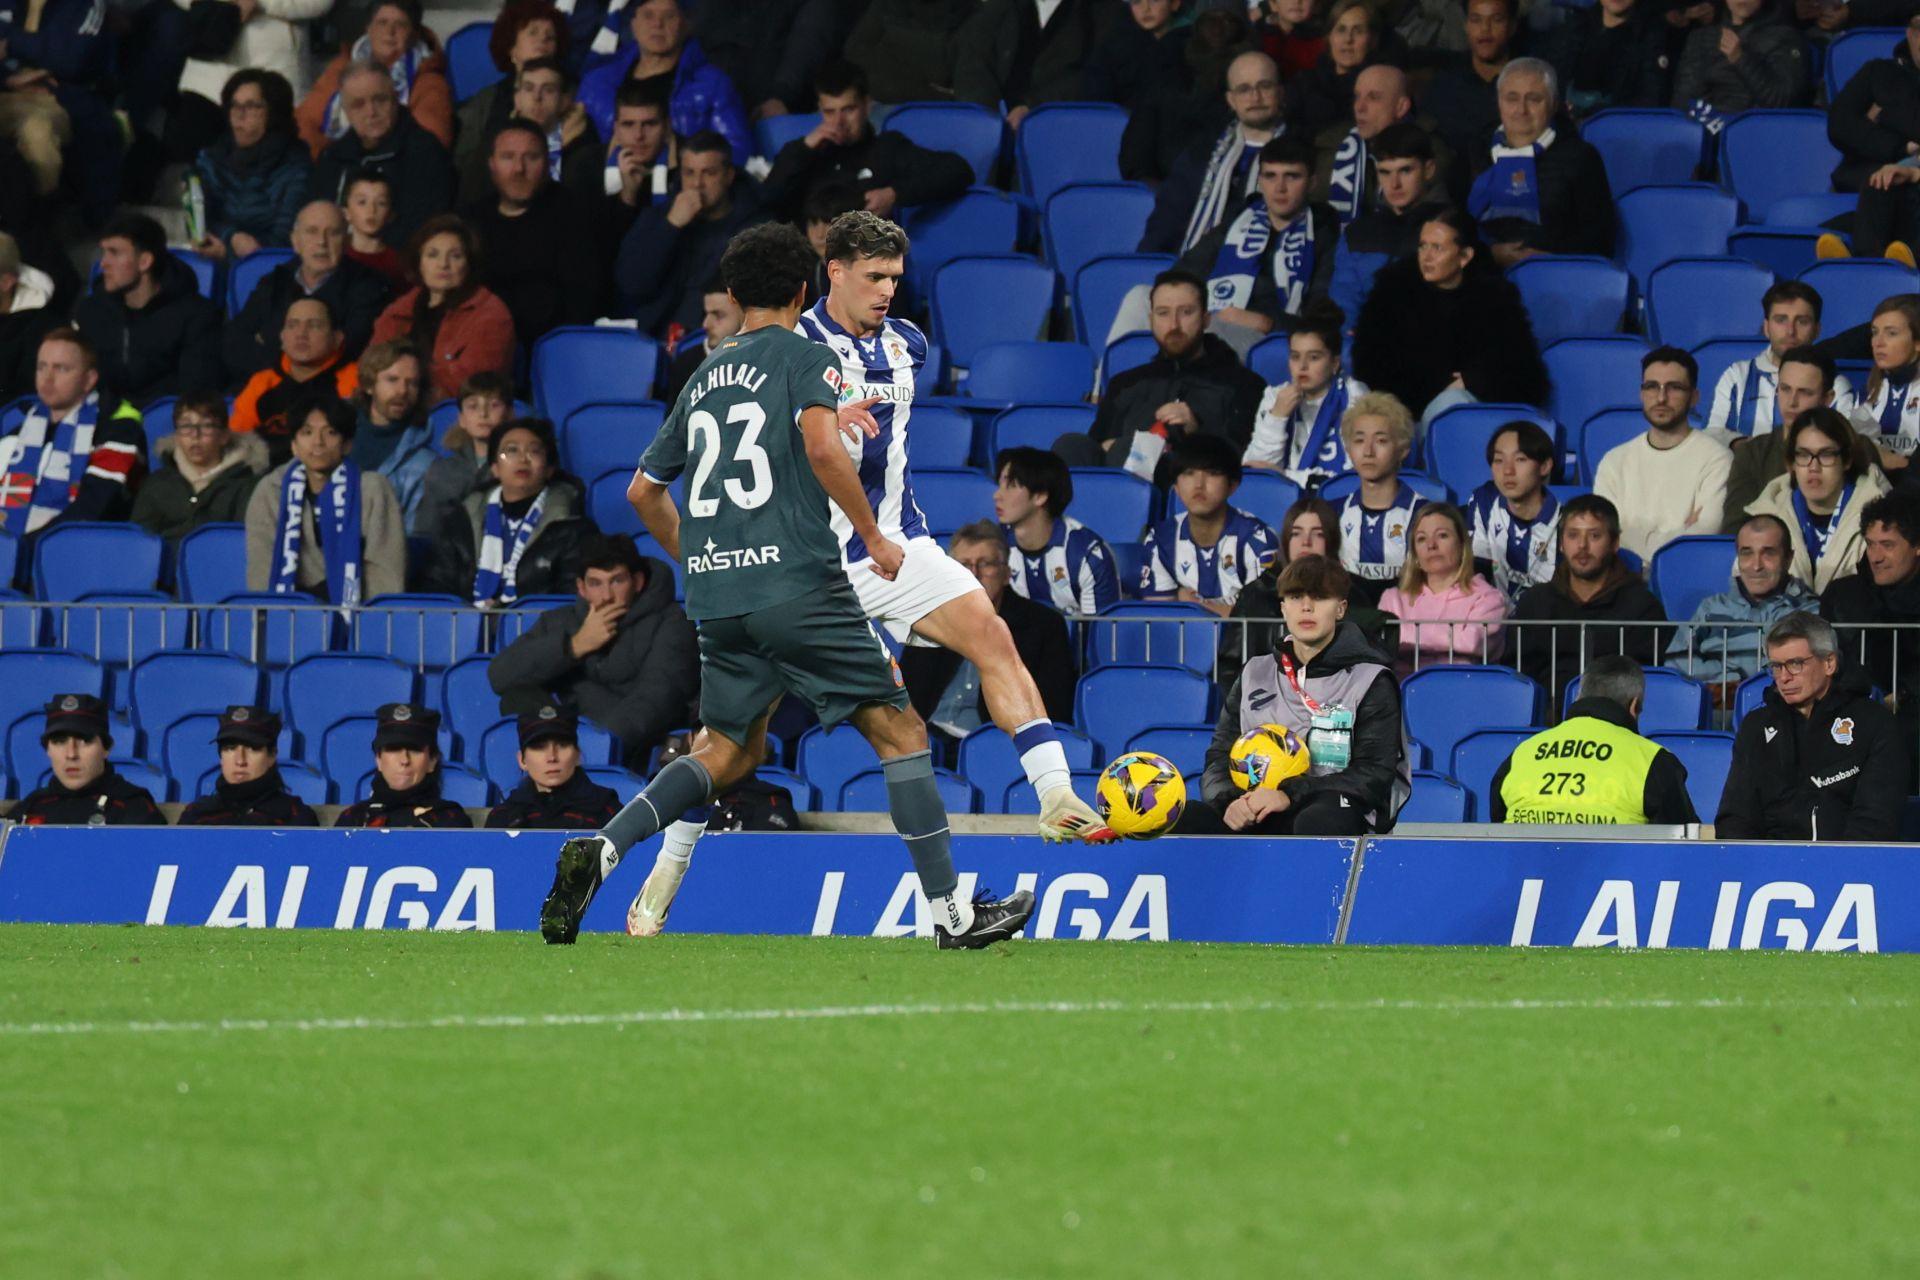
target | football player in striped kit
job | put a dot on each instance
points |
(931, 599)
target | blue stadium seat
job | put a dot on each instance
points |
(511, 624)
(342, 753)
(1436, 798)
(619, 781)
(1750, 694)
(1707, 757)
(267, 628)
(648, 545)
(1127, 352)
(1091, 220)
(1268, 358)
(245, 275)
(71, 560)
(607, 502)
(120, 628)
(1478, 756)
(1674, 703)
(1813, 210)
(1571, 295)
(1714, 358)
(1102, 285)
(950, 499)
(305, 782)
(1183, 746)
(579, 364)
(1266, 495)
(1591, 374)
(1643, 146)
(940, 435)
(1690, 300)
(498, 754)
(1035, 426)
(1444, 704)
(469, 62)
(1129, 558)
(1768, 155)
(1158, 644)
(1115, 504)
(827, 759)
(1658, 223)
(1850, 288)
(168, 685)
(1688, 570)
(1022, 372)
(866, 792)
(971, 132)
(1018, 799)
(1456, 444)
(156, 419)
(607, 436)
(1605, 430)
(22, 623)
(987, 759)
(469, 704)
(597, 745)
(1112, 704)
(990, 298)
(328, 687)
(9, 557)
(29, 677)
(1062, 143)
(979, 221)
(1785, 251)
(425, 631)
(1852, 50)
(775, 132)
(1343, 486)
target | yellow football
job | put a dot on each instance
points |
(1140, 795)
(1266, 757)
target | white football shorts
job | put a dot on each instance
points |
(928, 578)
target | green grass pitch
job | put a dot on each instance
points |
(179, 1102)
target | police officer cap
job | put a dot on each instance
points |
(79, 714)
(401, 724)
(254, 726)
(548, 722)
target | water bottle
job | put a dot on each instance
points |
(1330, 740)
(193, 199)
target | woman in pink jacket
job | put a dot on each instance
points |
(1448, 612)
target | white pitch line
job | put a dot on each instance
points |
(655, 1017)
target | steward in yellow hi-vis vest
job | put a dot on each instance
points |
(1594, 768)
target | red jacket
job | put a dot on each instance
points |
(474, 337)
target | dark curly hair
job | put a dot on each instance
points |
(516, 15)
(767, 265)
(273, 87)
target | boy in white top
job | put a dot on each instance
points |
(1745, 401)
(1671, 481)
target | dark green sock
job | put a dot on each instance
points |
(921, 819)
(674, 790)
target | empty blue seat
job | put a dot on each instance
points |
(9, 557)
(468, 703)
(1674, 703)
(987, 759)
(607, 503)
(1436, 798)
(1091, 220)
(1022, 372)
(1852, 50)
(1478, 756)
(1688, 570)
(156, 418)
(1815, 209)
(1036, 426)
(470, 62)
(1115, 504)
(1268, 358)
(971, 132)
(1116, 639)
(579, 364)
(775, 132)
(619, 781)
(166, 686)
(1444, 704)
(1113, 703)
(1103, 284)
(952, 498)
(1768, 155)
(990, 298)
(22, 623)
(119, 628)
(1658, 223)
(1591, 374)
(1266, 495)
(425, 631)
(1850, 288)
(1785, 251)
(1456, 444)
(603, 436)
(940, 435)
(1062, 143)
(827, 759)
(1690, 300)
(211, 563)
(30, 677)
(343, 753)
(277, 630)
(1707, 757)
(1343, 486)
(1645, 145)
(805, 799)
(1183, 746)
(243, 277)
(497, 755)
(1129, 351)
(71, 560)
(866, 792)
(1571, 295)
(974, 223)
(1605, 431)
(328, 687)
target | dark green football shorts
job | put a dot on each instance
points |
(818, 647)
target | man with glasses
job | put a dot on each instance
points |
(1819, 759)
(383, 137)
(206, 475)
(1671, 480)
(1212, 181)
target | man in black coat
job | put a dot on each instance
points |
(1875, 118)
(1005, 54)
(1820, 759)
(84, 790)
(542, 257)
(1592, 585)
(947, 691)
(1195, 383)
(624, 653)
(320, 269)
(1539, 189)
(406, 781)
(155, 335)
(249, 792)
(383, 137)
(672, 250)
(556, 794)
(769, 48)
(887, 169)
(1885, 590)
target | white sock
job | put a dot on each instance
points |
(953, 912)
(609, 856)
(1045, 763)
(677, 844)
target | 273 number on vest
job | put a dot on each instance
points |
(1563, 784)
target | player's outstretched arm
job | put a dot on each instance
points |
(820, 427)
(653, 502)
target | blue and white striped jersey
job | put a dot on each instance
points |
(882, 365)
(1217, 573)
(1523, 553)
(1373, 544)
(1074, 572)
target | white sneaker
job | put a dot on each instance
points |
(1065, 816)
(647, 914)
